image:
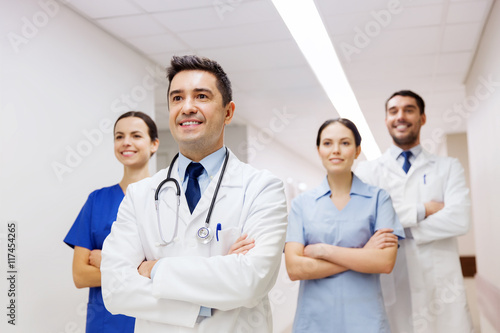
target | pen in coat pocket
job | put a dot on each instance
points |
(219, 227)
(424, 180)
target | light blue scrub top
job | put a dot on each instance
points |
(349, 301)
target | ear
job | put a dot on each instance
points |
(154, 146)
(423, 119)
(230, 107)
(358, 151)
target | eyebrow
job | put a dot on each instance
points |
(344, 138)
(178, 91)
(134, 132)
(404, 106)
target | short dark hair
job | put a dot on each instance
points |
(153, 131)
(344, 121)
(193, 62)
(409, 93)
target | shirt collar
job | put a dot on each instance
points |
(357, 188)
(211, 163)
(395, 151)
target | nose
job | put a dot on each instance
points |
(400, 115)
(126, 140)
(189, 106)
(336, 148)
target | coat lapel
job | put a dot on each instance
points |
(231, 178)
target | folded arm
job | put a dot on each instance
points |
(233, 280)
(303, 264)
(363, 260)
(454, 218)
(85, 274)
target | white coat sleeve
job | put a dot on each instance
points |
(124, 290)
(454, 219)
(407, 213)
(233, 281)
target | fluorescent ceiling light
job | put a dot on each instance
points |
(305, 25)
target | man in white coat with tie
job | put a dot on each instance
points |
(425, 291)
(204, 263)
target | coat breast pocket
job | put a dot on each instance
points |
(431, 187)
(226, 237)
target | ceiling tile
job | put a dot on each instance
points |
(257, 56)
(464, 12)
(394, 43)
(157, 44)
(378, 67)
(421, 16)
(376, 22)
(132, 26)
(237, 36)
(242, 13)
(108, 8)
(336, 7)
(273, 79)
(171, 5)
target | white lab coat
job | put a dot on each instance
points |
(194, 274)
(428, 264)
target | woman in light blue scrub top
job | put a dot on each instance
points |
(135, 141)
(341, 236)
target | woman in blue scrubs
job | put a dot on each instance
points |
(341, 236)
(135, 141)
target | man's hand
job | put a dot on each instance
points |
(145, 268)
(381, 239)
(95, 258)
(242, 245)
(433, 207)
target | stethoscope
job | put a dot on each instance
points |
(204, 234)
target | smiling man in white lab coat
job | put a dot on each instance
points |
(425, 292)
(169, 279)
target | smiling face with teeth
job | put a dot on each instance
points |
(133, 145)
(404, 120)
(197, 114)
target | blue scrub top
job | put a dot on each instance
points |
(349, 301)
(91, 227)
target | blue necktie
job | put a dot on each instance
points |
(193, 195)
(406, 165)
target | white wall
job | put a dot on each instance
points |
(456, 146)
(61, 77)
(484, 155)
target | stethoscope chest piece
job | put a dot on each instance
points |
(204, 235)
